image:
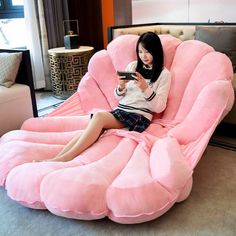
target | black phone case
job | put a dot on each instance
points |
(128, 75)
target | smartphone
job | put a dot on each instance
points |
(127, 74)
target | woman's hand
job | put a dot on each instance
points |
(140, 81)
(122, 83)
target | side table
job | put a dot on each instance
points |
(67, 67)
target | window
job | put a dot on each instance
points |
(12, 24)
(11, 9)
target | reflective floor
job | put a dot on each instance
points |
(46, 102)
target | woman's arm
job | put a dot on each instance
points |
(119, 92)
(158, 94)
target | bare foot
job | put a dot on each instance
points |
(36, 161)
(45, 160)
(62, 158)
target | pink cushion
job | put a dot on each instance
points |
(127, 176)
(187, 56)
(122, 51)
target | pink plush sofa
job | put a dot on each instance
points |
(127, 176)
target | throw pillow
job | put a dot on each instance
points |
(9, 66)
(221, 38)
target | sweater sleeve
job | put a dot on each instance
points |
(158, 95)
(119, 94)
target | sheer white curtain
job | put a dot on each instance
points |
(36, 30)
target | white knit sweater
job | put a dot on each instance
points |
(152, 100)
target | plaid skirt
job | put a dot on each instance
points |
(133, 121)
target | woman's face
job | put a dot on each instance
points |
(145, 56)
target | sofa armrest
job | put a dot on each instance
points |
(24, 75)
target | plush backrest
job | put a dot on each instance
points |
(188, 55)
(193, 65)
(214, 66)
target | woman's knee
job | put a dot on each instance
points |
(100, 116)
(106, 120)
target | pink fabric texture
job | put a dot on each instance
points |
(127, 176)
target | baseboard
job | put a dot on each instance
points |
(224, 136)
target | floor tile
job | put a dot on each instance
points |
(46, 102)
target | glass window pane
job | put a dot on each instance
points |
(17, 2)
(13, 33)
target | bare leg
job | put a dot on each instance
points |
(100, 121)
(69, 145)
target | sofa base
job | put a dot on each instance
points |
(15, 107)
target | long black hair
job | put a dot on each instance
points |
(152, 43)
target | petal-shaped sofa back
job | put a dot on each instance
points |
(187, 56)
(213, 66)
(193, 64)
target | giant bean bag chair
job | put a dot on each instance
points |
(127, 176)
